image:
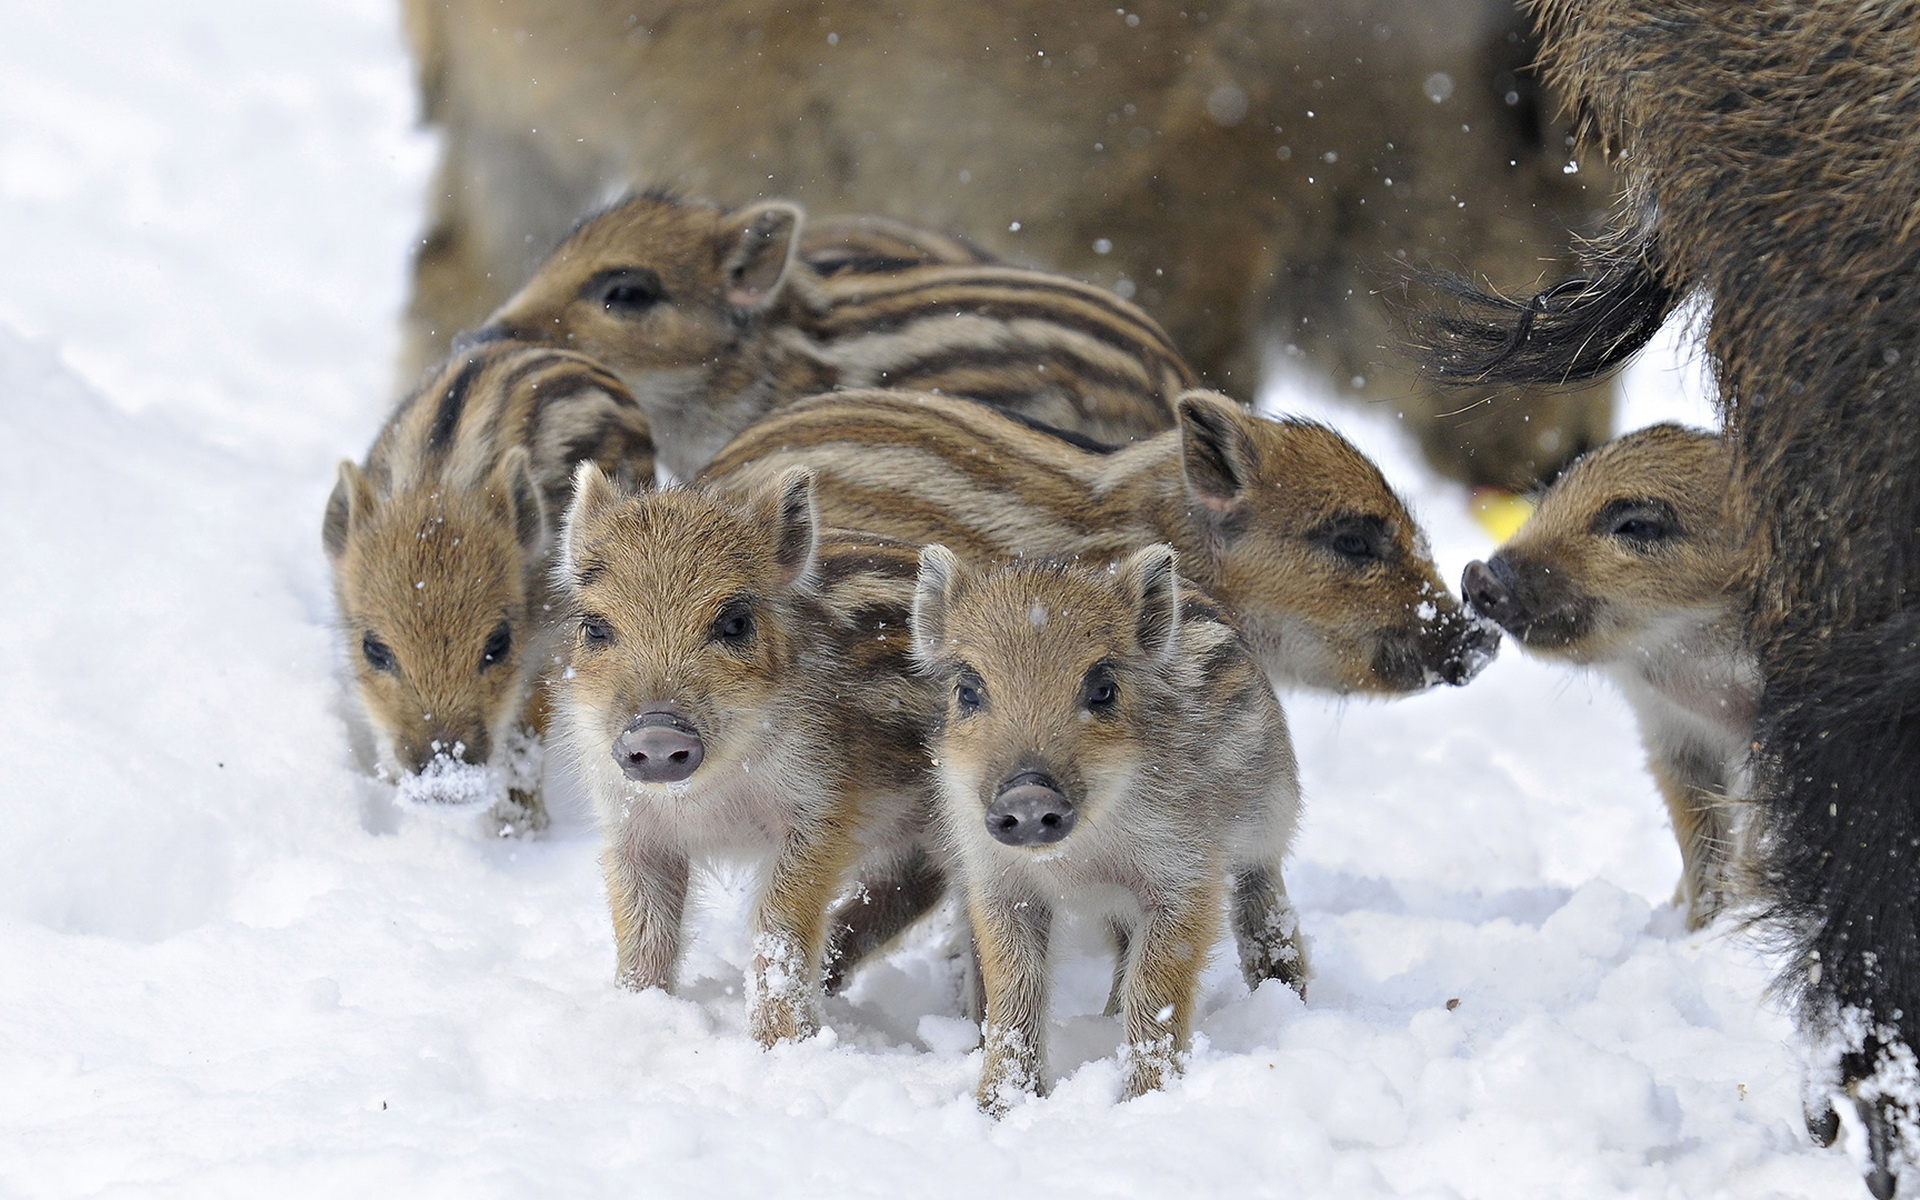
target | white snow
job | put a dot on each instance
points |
(233, 967)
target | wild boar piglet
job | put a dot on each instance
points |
(739, 688)
(1632, 565)
(1111, 746)
(439, 547)
(714, 320)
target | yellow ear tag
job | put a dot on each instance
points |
(1499, 512)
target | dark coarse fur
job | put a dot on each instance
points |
(1569, 334)
(1776, 147)
(1249, 168)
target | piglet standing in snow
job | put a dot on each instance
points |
(439, 547)
(740, 685)
(1632, 565)
(1110, 743)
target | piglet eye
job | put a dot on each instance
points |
(497, 647)
(1357, 540)
(628, 297)
(375, 651)
(1352, 545)
(1641, 524)
(595, 632)
(629, 292)
(1639, 529)
(734, 624)
(1099, 693)
(969, 694)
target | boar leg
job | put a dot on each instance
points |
(453, 288)
(1508, 437)
(1700, 815)
(1010, 933)
(884, 908)
(790, 926)
(1267, 929)
(1157, 1010)
(647, 892)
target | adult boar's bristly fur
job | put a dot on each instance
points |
(1773, 159)
(1247, 171)
(439, 550)
(1632, 565)
(1110, 745)
(739, 686)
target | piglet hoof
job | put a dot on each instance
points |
(1011, 1074)
(521, 814)
(783, 999)
(1286, 964)
(1147, 1068)
(1002, 1089)
(835, 967)
(637, 979)
(771, 1024)
(997, 1102)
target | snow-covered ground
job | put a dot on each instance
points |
(229, 967)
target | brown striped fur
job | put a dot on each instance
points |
(713, 322)
(438, 546)
(1288, 525)
(811, 717)
(1633, 564)
(873, 245)
(1130, 696)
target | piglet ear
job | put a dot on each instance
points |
(1151, 579)
(1216, 449)
(762, 255)
(796, 525)
(351, 501)
(939, 573)
(514, 481)
(594, 495)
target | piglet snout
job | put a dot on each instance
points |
(1488, 587)
(659, 747)
(1029, 810)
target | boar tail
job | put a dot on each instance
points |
(1570, 333)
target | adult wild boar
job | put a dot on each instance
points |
(1773, 154)
(1248, 171)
